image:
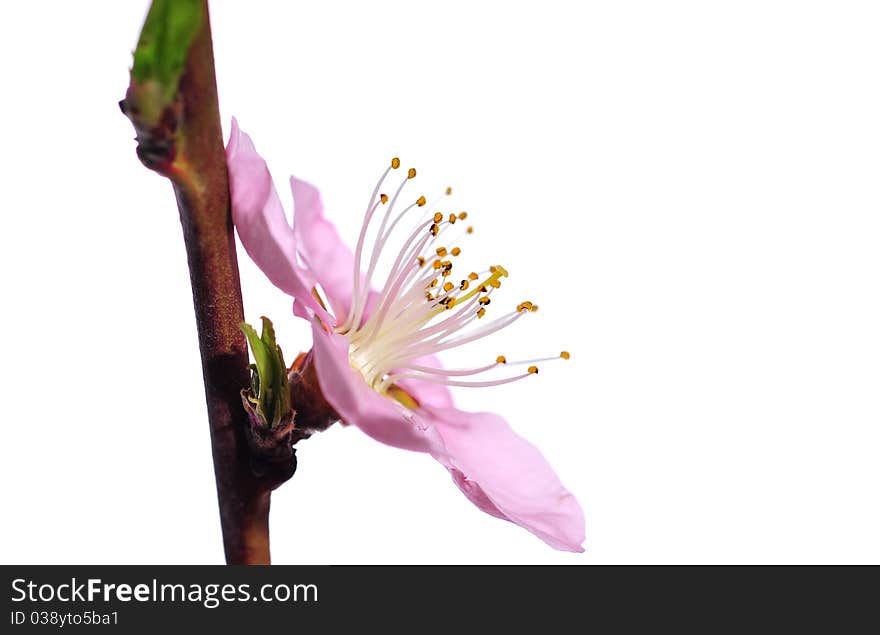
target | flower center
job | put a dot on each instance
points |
(422, 308)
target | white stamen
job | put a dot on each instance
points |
(421, 309)
(448, 372)
(449, 382)
(523, 362)
(371, 209)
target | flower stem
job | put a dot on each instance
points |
(203, 201)
(182, 139)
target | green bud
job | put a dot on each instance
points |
(270, 392)
(161, 51)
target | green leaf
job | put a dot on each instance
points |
(270, 391)
(168, 31)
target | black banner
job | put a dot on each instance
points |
(132, 599)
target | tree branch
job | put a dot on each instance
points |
(179, 135)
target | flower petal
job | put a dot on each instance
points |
(380, 417)
(506, 476)
(259, 219)
(327, 256)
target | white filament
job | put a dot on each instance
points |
(406, 323)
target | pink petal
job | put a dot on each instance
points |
(327, 256)
(380, 417)
(506, 476)
(259, 219)
(299, 310)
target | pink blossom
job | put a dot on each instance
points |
(374, 350)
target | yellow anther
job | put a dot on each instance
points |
(492, 269)
(453, 218)
(492, 281)
(470, 230)
(421, 201)
(448, 191)
(411, 174)
(462, 215)
(456, 251)
(436, 264)
(421, 261)
(395, 163)
(496, 284)
(383, 198)
(533, 308)
(524, 306)
(501, 359)
(438, 217)
(481, 313)
(448, 286)
(464, 285)
(441, 251)
(429, 296)
(449, 302)
(435, 228)
(533, 370)
(484, 300)
(565, 355)
(434, 282)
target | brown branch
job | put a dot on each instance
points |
(185, 144)
(205, 215)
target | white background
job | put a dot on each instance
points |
(688, 189)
